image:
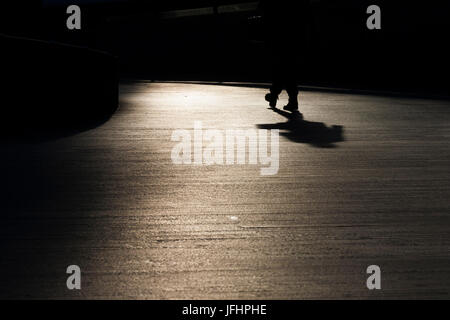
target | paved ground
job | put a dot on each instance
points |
(111, 201)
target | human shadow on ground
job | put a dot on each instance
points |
(299, 130)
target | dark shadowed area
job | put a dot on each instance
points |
(222, 40)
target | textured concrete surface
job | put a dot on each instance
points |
(111, 201)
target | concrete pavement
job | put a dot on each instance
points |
(111, 201)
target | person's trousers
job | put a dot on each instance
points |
(284, 75)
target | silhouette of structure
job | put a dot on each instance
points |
(50, 85)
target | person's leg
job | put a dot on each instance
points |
(276, 87)
(275, 91)
(292, 91)
(291, 88)
(277, 82)
(291, 52)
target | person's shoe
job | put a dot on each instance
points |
(272, 100)
(291, 106)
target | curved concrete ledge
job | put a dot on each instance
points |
(47, 85)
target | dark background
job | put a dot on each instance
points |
(409, 53)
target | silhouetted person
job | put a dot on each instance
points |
(285, 27)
